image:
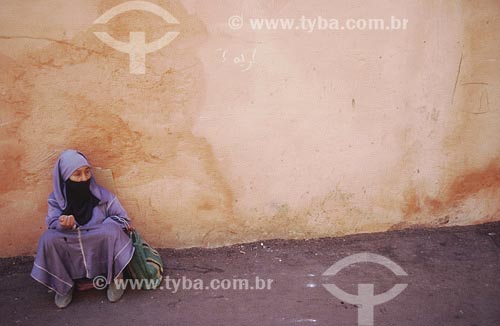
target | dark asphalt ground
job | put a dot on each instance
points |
(453, 279)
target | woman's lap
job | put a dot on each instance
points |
(63, 256)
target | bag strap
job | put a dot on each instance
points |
(133, 236)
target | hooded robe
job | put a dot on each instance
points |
(98, 247)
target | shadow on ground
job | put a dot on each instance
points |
(453, 279)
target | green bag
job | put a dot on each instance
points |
(146, 264)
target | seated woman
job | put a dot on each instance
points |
(86, 232)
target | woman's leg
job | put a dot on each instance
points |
(54, 264)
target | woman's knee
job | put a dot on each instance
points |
(50, 238)
(113, 228)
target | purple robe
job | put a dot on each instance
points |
(100, 247)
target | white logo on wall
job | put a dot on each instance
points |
(137, 46)
(366, 299)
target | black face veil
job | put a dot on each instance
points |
(81, 201)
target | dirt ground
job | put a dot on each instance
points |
(453, 279)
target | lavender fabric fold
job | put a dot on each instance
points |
(98, 248)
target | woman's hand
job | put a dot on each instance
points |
(67, 221)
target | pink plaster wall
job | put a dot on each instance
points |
(326, 133)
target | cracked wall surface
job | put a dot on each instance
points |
(237, 135)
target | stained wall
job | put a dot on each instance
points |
(237, 135)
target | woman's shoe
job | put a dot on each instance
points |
(114, 293)
(62, 301)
